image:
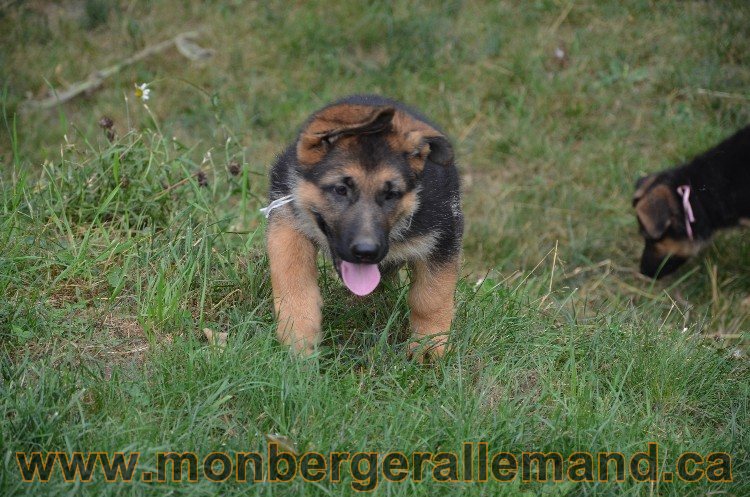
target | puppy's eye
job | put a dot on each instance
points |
(393, 195)
(340, 190)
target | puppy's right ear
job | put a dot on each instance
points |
(655, 210)
(420, 141)
(336, 121)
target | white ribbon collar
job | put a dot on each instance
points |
(266, 211)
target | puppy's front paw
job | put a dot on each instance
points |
(429, 348)
(302, 341)
(304, 349)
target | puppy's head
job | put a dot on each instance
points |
(662, 224)
(360, 170)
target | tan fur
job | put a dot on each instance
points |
(308, 195)
(680, 248)
(353, 170)
(294, 277)
(655, 210)
(418, 247)
(308, 198)
(409, 137)
(406, 207)
(370, 182)
(374, 182)
(431, 303)
(745, 221)
(334, 120)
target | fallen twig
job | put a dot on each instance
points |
(713, 93)
(182, 41)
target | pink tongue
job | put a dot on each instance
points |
(361, 279)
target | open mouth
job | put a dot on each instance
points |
(360, 279)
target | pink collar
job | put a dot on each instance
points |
(684, 192)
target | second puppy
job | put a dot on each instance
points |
(679, 209)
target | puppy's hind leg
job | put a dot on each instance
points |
(431, 303)
(294, 278)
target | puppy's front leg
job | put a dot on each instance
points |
(431, 303)
(294, 278)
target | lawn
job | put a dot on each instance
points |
(121, 244)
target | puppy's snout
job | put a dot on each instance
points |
(366, 250)
(657, 265)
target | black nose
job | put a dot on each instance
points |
(656, 266)
(365, 251)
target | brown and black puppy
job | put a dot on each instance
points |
(679, 209)
(373, 185)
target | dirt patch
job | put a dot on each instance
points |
(123, 341)
(524, 386)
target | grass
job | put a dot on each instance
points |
(114, 256)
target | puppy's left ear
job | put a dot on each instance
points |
(655, 211)
(420, 142)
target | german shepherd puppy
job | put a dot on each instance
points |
(679, 209)
(372, 184)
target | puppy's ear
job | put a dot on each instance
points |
(331, 123)
(642, 186)
(420, 141)
(655, 211)
(441, 150)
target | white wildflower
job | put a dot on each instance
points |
(142, 91)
